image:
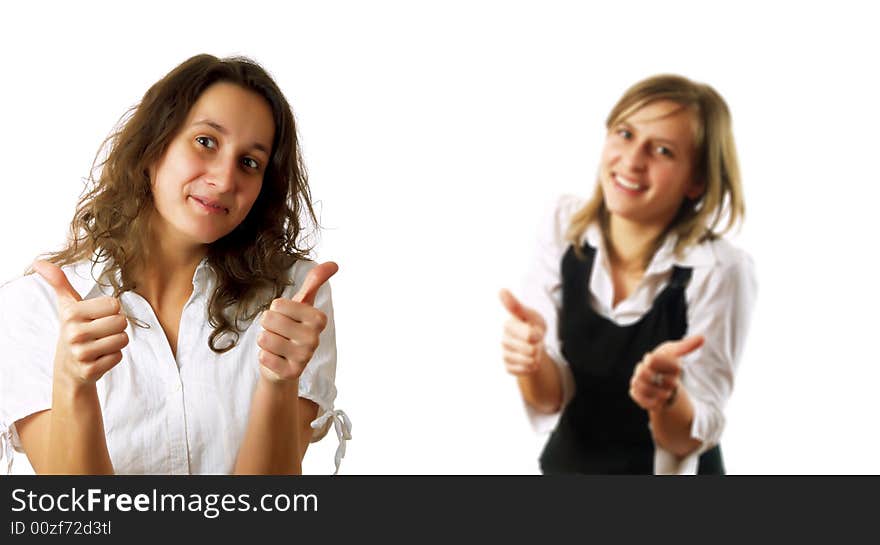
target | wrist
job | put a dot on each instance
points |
(68, 386)
(270, 383)
(544, 359)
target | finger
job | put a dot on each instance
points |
(520, 370)
(512, 358)
(523, 331)
(640, 400)
(649, 404)
(277, 369)
(93, 350)
(314, 280)
(513, 305)
(93, 371)
(645, 393)
(272, 366)
(281, 324)
(290, 331)
(298, 354)
(79, 332)
(518, 365)
(518, 310)
(56, 278)
(655, 362)
(517, 346)
(681, 348)
(91, 309)
(648, 382)
(297, 312)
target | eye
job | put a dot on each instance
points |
(207, 141)
(663, 150)
(624, 133)
(251, 163)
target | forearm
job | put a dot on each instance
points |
(671, 426)
(77, 443)
(271, 443)
(542, 390)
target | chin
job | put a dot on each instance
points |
(206, 237)
(630, 213)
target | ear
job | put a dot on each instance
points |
(695, 190)
(148, 172)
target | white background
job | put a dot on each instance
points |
(437, 134)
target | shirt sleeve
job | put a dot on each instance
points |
(28, 336)
(318, 381)
(542, 291)
(720, 309)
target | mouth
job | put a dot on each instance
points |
(209, 205)
(627, 184)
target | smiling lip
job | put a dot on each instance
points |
(209, 205)
(627, 184)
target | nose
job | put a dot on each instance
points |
(635, 157)
(222, 175)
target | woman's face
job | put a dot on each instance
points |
(207, 180)
(647, 165)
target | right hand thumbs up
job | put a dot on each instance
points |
(523, 341)
(56, 278)
(92, 331)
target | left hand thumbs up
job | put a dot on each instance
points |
(292, 328)
(655, 380)
(314, 280)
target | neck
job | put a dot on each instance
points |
(630, 244)
(168, 268)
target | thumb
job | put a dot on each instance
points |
(53, 274)
(514, 307)
(677, 349)
(314, 280)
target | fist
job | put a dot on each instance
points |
(292, 329)
(655, 380)
(92, 332)
(523, 341)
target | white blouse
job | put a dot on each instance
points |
(162, 415)
(720, 297)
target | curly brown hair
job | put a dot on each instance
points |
(110, 223)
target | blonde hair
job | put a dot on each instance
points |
(715, 164)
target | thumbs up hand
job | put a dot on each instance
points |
(92, 332)
(523, 340)
(655, 380)
(292, 328)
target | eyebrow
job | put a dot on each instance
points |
(222, 130)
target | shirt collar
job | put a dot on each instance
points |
(203, 277)
(87, 277)
(697, 255)
(84, 277)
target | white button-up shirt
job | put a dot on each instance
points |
(720, 297)
(162, 415)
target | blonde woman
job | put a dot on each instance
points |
(635, 312)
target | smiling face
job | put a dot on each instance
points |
(647, 164)
(207, 180)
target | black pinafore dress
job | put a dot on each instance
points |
(602, 430)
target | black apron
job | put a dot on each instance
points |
(602, 430)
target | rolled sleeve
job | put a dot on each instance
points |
(28, 336)
(542, 291)
(318, 381)
(720, 310)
